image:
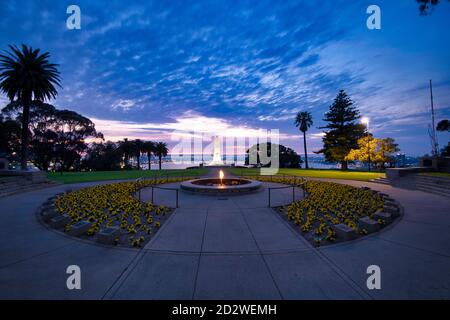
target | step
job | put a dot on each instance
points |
(434, 190)
(16, 187)
(432, 185)
(431, 182)
(8, 179)
(380, 180)
(438, 180)
(15, 182)
(31, 187)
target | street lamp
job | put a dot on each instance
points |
(365, 121)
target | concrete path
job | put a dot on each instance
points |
(228, 248)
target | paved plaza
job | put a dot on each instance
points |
(228, 248)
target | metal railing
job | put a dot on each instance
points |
(293, 186)
(280, 188)
(165, 188)
(153, 187)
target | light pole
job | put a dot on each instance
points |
(366, 122)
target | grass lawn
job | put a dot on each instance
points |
(311, 173)
(437, 174)
(76, 177)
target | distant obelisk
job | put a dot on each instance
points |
(217, 153)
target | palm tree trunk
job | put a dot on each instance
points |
(306, 151)
(149, 158)
(160, 159)
(139, 161)
(25, 137)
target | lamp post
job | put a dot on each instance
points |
(366, 122)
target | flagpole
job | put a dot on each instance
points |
(433, 132)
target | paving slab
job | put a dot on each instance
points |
(16, 247)
(44, 276)
(183, 232)
(242, 277)
(430, 237)
(227, 233)
(160, 276)
(406, 273)
(270, 232)
(304, 276)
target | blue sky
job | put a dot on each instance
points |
(144, 68)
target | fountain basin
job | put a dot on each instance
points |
(217, 187)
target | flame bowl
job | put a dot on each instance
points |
(215, 187)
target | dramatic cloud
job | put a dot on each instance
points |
(144, 66)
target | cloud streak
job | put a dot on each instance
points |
(158, 65)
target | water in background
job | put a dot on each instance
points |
(314, 161)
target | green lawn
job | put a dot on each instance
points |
(75, 177)
(437, 174)
(311, 173)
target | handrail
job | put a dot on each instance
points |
(293, 186)
(162, 188)
(278, 188)
(165, 188)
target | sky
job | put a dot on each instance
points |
(142, 69)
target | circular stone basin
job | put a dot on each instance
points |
(231, 186)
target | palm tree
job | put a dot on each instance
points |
(27, 75)
(304, 121)
(148, 148)
(137, 149)
(126, 149)
(161, 151)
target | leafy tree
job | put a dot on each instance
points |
(427, 6)
(304, 121)
(380, 150)
(102, 157)
(9, 137)
(72, 129)
(366, 146)
(386, 149)
(56, 135)
(342, 131)
(149, 148)
(288, 158)
(43, 148)
(443, 125)
(161, 150)
(27, 75)
(445, 152)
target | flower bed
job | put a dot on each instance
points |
(333, 212)
(110, 207)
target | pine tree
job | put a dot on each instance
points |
(342, 131)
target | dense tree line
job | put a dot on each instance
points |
(55, 138)
(58, 140)
(124, 154)
(288, 158)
